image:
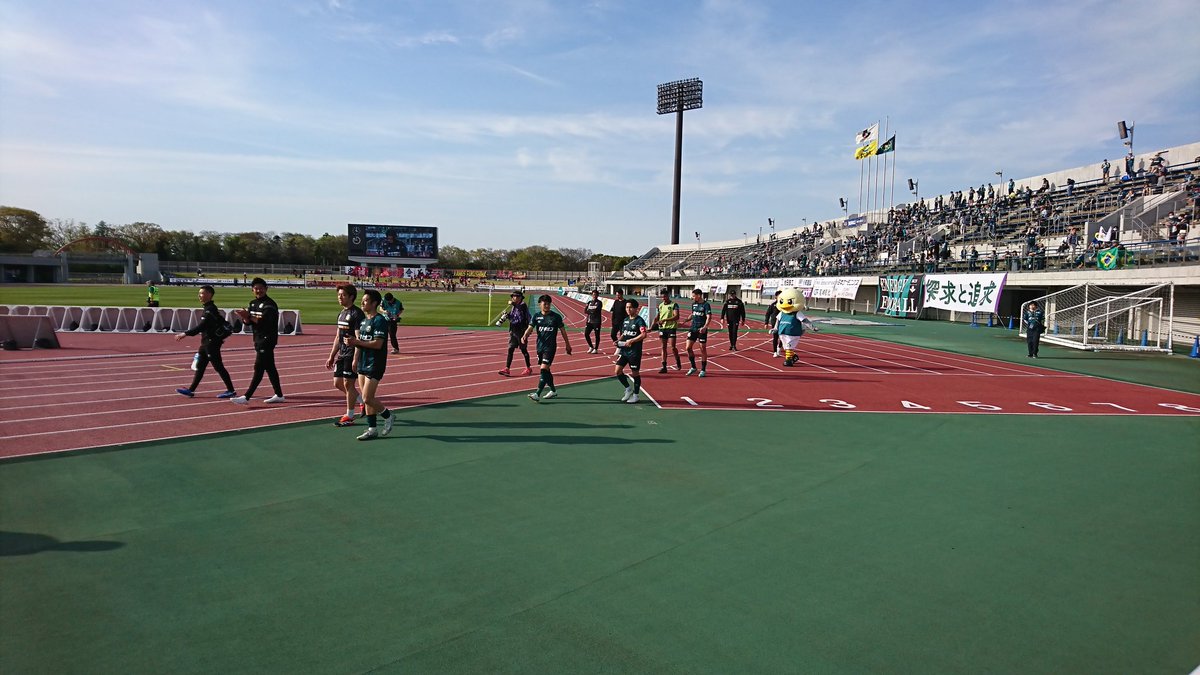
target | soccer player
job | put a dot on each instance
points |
(629, 348)
(667, 323)
(549, 326)
(734, 315)
(263, 314)
(341, 355)
(212, 331)
(618, 315)
(517, 316)
(770, 320)
(393, 308)
(701, 315)
(594, 314)
(370, 357)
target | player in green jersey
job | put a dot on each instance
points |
(629, 349)
(548, 326)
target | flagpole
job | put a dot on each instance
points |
(860, 183)
(879, 184)
(892, 198)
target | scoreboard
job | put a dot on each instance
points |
(392, 241)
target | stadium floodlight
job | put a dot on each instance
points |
(1125, 131)
(675, 97)
(914, 187)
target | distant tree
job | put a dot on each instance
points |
(143, 237)
(63, 232)
(22, 230)
(612, 263)
(330, 250)
(453, 257)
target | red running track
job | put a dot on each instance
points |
(116, 389)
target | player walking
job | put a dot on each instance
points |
(370, 357)
(549, 325)
(618, 316)
(734, 315)
(770, 320)
(213, 331)
(518, 318)
(667, 323)
(341, 355)
(698, 334)
(594, 316)
(263, 314)
(629, 350)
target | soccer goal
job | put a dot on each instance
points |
(1091, 317)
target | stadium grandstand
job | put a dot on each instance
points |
(1047, 231)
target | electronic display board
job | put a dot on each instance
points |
(392, 241)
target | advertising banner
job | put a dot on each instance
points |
(899, 295)
(964, 292)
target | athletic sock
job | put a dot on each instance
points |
(637, 383)
(371, 420)
(692, 360)
(549, 379)
(677, 363)
(623, 380)
(704, 365)
(386, 413)
(541, 381)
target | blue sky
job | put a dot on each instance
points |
(512, 123)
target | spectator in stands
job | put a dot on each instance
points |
(1105, 168)
(973, 257)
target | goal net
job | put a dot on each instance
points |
(1091, 317)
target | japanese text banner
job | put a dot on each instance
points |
(964, 292)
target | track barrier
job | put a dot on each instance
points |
(68, 319)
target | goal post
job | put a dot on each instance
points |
(1093, 318)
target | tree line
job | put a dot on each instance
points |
(25, 231)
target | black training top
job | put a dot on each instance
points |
(594, 310)
(618, 312)
(210, 322)
(266, 319)
(734, 311)
(347, 325)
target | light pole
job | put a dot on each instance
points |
(676, 97)
(697, 241)
(913, 187)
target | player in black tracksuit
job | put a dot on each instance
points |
(734, 315)
(771, 317)
(594, 313)
(263, 314)
(211, 330)
(618, 316)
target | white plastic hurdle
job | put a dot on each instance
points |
(77, 319)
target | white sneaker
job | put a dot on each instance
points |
(632, 399)
(240, 400)
(628, 393)
(691, 371)
(387, 424)
(369, 434)
(276, 399)
(550, 394)
(533, 396)
(776, 355)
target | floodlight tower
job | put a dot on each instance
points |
(676, 97)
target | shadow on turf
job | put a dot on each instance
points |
(511, 425)
(27, 543)
(542, 439)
